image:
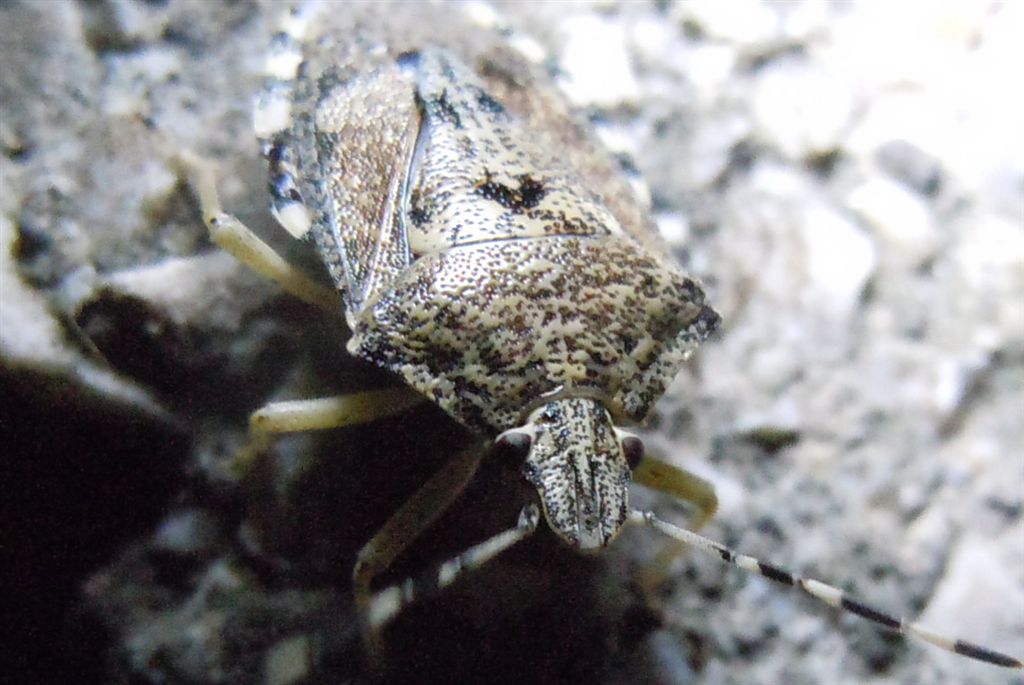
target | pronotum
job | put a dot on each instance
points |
(486, 251)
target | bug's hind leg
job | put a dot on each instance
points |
(321, 413)
(663, 477)
(237, 239)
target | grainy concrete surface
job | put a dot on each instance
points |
(847, 179)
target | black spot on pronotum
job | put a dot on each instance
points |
(531, 191)
(867, 612)
(526, 196)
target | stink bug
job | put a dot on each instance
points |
(484, 251)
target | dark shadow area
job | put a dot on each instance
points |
(78, 484)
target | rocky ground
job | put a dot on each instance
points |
(847, 180)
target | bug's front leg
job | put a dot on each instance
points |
(404, 526)
(663, 477)
(237, 239)
(681, 484)
(381, 607)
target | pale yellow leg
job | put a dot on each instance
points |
(238, 240)
(658, 475)
(293, 416)
(404, 526)
(389, 602)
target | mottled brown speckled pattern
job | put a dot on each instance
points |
(491, 329)
(578, 467)
(484, 250)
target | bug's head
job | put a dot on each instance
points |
(580, 464)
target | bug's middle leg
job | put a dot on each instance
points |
(321, 413)
(242, 243)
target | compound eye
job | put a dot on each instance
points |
(633, 450)
(513, 445)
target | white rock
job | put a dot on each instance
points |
(911, 117)
(898, 217)
(131, 75)
(740, 21)
(836, 257)
(840, 258)
(177, 284)
(992, 251)
(652, 38)
(990, 264)
(951, 376)
(711, 146)
(674, 227)
(710, 67)
(805, 21)
(801, 109)
(596, 62)
(889, 44)
(288, 661)
(939, 77)
(969, 597)
(481, 14)
(29, 333)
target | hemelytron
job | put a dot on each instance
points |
(488, 252)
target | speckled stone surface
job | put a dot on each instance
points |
(847, 182)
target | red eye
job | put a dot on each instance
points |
(513, 445)
(633, 450)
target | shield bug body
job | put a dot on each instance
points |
(487, 252)
(512, 280)
(493, 282)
